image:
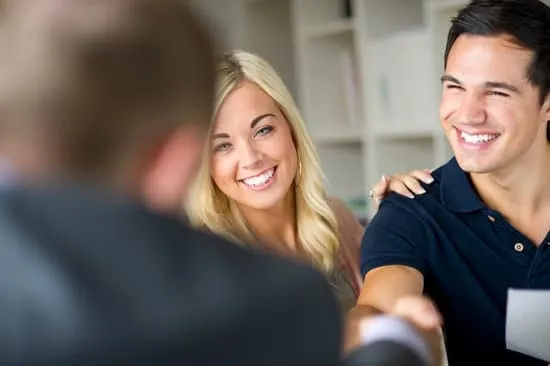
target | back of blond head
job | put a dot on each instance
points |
(94, 80)
(208, 207)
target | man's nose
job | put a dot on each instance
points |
(471, 110)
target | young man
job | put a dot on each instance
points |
(103, 108)
(483, 225)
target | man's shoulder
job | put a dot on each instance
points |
(94, 225)
(426, 203)
(400, 231)
(113, 265)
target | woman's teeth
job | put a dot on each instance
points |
(260, 179)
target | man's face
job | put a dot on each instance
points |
(490, 112)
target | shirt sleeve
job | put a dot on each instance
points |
(395, 236)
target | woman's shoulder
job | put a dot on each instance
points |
(343, 213)
(350, 233)
(350, 230)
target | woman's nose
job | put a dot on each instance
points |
(250, 157)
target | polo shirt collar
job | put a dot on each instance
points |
(456, 190)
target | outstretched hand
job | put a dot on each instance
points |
(422, 314)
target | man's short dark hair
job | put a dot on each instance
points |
(526, 21)
(92, 79)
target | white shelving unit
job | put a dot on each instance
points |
(269, 33)
(264, 27)
(330, 91)
(403, 44)
(365, 75)
(367, 86)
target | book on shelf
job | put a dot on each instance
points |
(350, 88)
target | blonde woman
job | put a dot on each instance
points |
(261, 181)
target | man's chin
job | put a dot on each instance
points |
(475, 167)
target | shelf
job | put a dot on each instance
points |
(386, 17)
(445, 5)
(332, 94)
(331, 90)
(401, 64)
(401, 156)
(272, 19)
(441, 14)
(403, 133)
(330, 28)
(343, 167)
(319, 12)
(338, 137)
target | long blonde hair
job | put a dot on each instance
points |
(209, 208)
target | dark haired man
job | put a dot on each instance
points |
(483, 225)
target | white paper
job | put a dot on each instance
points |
(528, 322)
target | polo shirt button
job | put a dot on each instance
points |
(491, 218)
(518, 247)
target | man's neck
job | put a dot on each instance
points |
(521, 190)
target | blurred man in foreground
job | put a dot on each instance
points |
(103, 108)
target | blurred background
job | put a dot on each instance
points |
(365, 74)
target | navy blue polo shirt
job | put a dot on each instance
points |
(469, 257)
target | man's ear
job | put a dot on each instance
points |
(170, 171)
(546, 110)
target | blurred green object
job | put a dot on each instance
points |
(360, 207)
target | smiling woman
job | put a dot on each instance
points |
(254, 159)
(261, 181)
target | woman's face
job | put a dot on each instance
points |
(253, 156)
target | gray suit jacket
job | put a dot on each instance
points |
(384, 353)
(88, 279)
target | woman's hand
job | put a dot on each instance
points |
(407, 185)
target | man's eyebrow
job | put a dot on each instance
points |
(488, 84)
(450, 79)
(501, 85)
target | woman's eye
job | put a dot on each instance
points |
(264, 131)
(222, 147)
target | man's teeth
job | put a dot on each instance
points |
(478, 139)
(259, 179)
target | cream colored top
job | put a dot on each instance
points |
(350, 235)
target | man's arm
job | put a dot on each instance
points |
(392, 341)
(397, 291)
(393, 259)
(382, 288)
(384, 285)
